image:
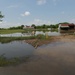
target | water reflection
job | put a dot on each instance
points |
(57, 59)
(30, 34)
(16, 49)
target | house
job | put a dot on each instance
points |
(72, 26)
(28, 27)
(66, 27)
(63, 26)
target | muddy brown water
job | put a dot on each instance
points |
(57, 58)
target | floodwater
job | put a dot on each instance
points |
(30, 34)
(16, 49)
(57, 58)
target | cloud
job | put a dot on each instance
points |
(6, 24)
(39, 22)
(27, 13)
(41, 2)
(13, 6)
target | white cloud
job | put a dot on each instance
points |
(41, 2)
(27, 13)
(6, 24)
(39, 22)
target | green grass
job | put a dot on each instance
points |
(8, 31)
(10, 39)
(11, 31)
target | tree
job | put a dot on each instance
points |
(22, 26)
(64, 23)
(44, 26)
(33, 25)
(1, 16)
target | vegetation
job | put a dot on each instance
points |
(44, 26)
(13, 61)
(10, 39)
(8, 31)
(18, 27)
(41, 36)
(36, 27)
(1, 16)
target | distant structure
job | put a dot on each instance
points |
(63, 27)
(28, 27)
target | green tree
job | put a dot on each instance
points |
(1, 16)
(44, 26)
(22, 26)
(33, 25)
(64, 23)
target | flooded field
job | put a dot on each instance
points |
(30, 34)
(16, 49)
(57, 58)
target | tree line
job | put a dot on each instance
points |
(44, 26)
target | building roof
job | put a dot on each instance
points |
(72, 24)
(64, 25)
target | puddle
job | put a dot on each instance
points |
(54, 59)
(16, 49)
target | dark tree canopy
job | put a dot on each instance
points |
(1, 16)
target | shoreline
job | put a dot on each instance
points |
(63, 38)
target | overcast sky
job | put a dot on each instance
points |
(37, 12)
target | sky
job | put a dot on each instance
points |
(27, 12)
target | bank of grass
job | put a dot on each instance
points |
(10, 39)
(7, 31)
(39, 39)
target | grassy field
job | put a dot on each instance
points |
(11, 31)
(10, 39)
(8, 31)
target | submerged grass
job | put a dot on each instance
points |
(11, 62)
(10, 39)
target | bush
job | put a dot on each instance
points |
(40, 36)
